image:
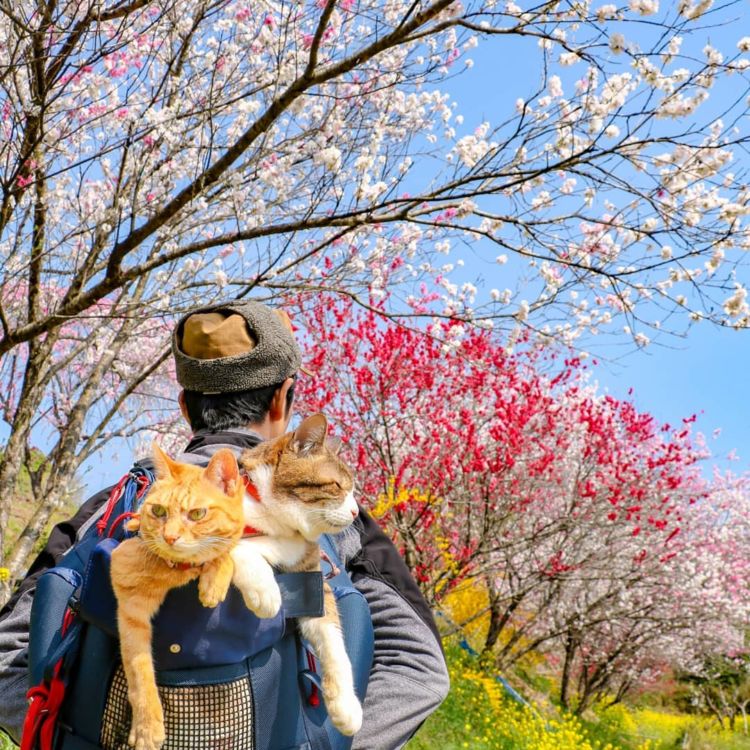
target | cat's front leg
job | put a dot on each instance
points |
(214, 581)
(324, 633)
(140, 590)
(147, 725)
(253, 576)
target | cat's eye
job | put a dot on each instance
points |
(159, 511)
(196, 514)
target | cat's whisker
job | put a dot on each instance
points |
(318, 513)
(203, 544)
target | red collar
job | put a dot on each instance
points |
(183, 565)
(251, 489)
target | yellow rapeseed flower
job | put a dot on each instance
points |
(392, 497)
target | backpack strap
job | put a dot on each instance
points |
(124, 500)
(46, 698)
(356, 626)
(356, 621)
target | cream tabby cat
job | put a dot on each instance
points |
(302, 490)
(189, 521)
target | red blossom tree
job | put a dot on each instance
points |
(579, 514)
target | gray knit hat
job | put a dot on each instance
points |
(235, 346)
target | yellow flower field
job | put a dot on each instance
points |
(478, 715)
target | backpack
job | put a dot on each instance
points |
(228, 680)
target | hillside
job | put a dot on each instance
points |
(23, 507)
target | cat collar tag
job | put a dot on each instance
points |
(251, 489)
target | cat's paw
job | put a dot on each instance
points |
(147, 734)
(210, 592)
(264, 600)
(345, 712)
(258, 588)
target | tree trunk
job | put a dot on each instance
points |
(498, 618)
(18, 559)
(570, 652)
(14, 450)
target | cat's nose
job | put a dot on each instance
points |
(171, 539)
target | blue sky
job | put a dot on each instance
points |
(702, 373)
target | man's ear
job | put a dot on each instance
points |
(222, 471)
(183, 407)
(277, 410)
(310, 436)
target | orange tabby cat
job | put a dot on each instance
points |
(189, 522)
(302, 490)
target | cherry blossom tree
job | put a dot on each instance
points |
(99, 382)
(160, 153)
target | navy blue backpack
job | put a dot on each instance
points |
(228, 680)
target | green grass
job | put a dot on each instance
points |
(450, 727)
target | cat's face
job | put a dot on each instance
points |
(304, 484)
(193, 514)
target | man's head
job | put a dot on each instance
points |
(237, 363)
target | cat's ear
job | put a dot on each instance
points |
(165, 466)
(334, 445)
(222, 471)
(310, 436)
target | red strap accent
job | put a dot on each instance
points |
(252, 490)
(122, 517)
(114, 496)
(334, 571)
(68, 618)
(38, 731)
(314, 699)
(143, 485)
(39, 726)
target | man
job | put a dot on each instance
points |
(238, 364)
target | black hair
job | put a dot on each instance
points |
(223, 411)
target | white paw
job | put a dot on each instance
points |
(264, 602)
(345, 712)
(261, 594)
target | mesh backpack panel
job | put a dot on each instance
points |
(205, 716)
